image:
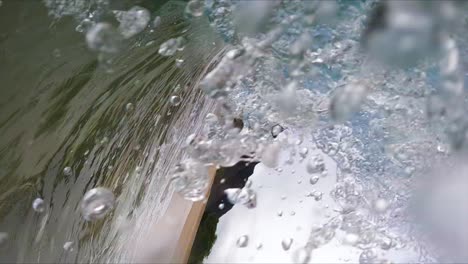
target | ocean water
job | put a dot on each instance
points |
(61, 108)
(134, 96)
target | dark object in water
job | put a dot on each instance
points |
(225, 178)
(205, 239)
(276, 130)
(231, 177)
(376, 21)
(238, 123)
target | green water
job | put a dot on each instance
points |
(59, 108)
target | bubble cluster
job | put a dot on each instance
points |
(132, 21)
(103, 37)
(170, 47)
(195, 7)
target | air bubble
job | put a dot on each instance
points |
(3, 237)
(103, 37)
(68, 246)
(314, 179)
(347, 100)
(38, 205)
(286, 243)
(156, 22)
(302, 256)
(132, 21)
(169, 47)
(242, 241)
(381, 205)
(195, 8)
(179, 62)
(276, 130)
(351, 239)
(368, 256)
(67, 171)
(96, 203)
(175, 100)
(315, 165)
(303, 152)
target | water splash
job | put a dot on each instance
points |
(132, 21)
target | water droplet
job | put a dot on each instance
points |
(270, 155)
(286, 243)
(314, 179)
(156, 22)
(302, 255)
(386, 243)
(38, 205)
(259, 246)
(138, 169)
(68, 246)
(221, 206)
(67, 171)
(192, 179)
(169, 47)
(129, 107)
(84, 26)
(303, 152)
(279, 213)
(292, 213)
(104, 140)
(381, 205)
(367, 256)
(351, 239)
(347, 100)
(132, 21)
(175, 100)
(315, 165)
(318, 196)
(235, 53)
(97, 203)
(232, 194)
(223, 180)
(181, 43)
(195, 8)
(300, 46)
(242, 241)
(103, 37)
(179, 62)
(57, 53)
(3, 237)
(248, 183)
(276, 130)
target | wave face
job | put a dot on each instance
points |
(60, 108)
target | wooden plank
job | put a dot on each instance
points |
(189, 231)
